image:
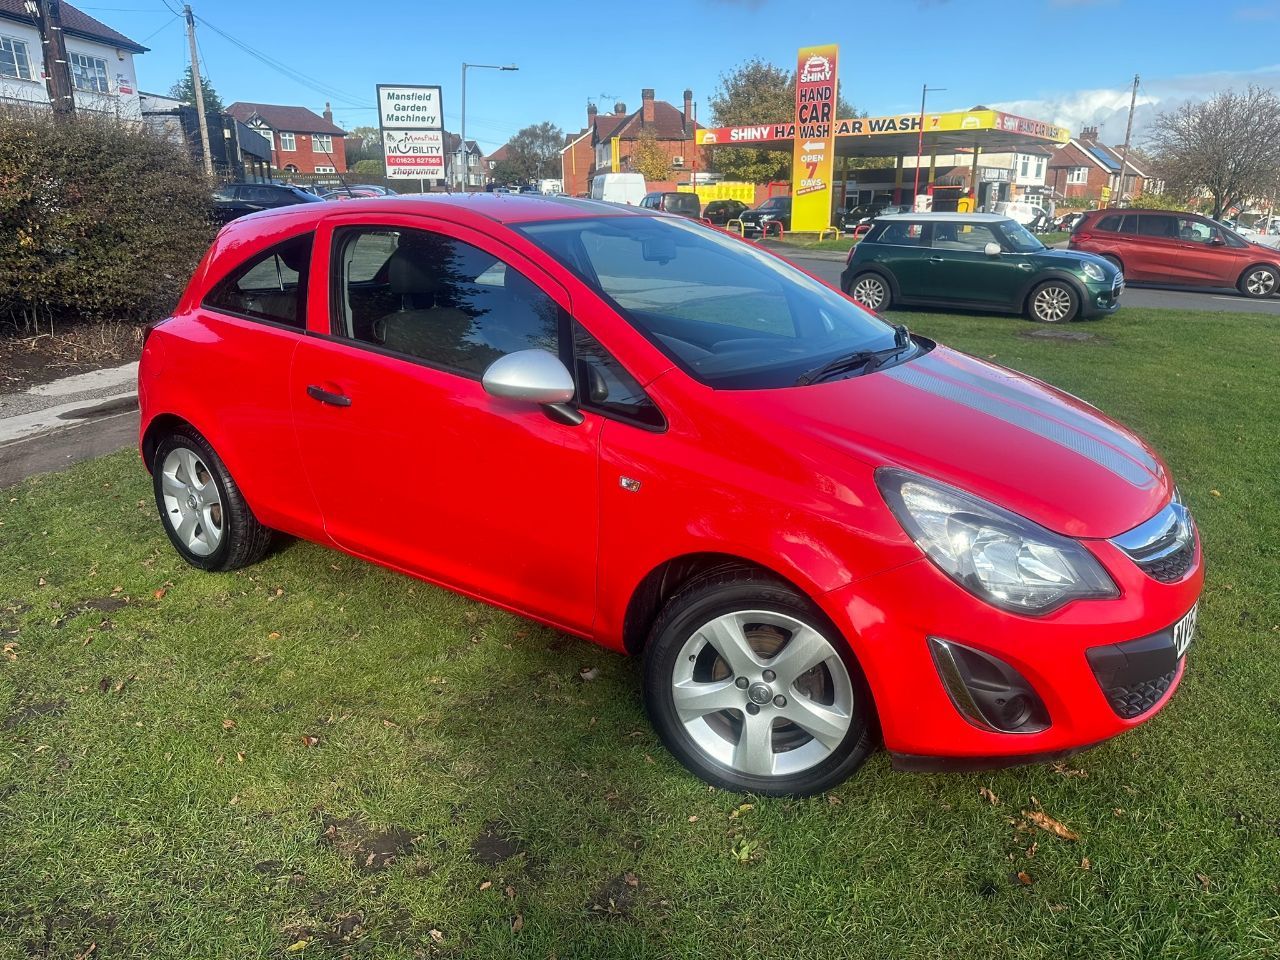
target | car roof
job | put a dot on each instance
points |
(461, 207)
(1171, 213)
(948, 217)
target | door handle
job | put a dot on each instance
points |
(328, 396)
(936, 260)
(1025, 266)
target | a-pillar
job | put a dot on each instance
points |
(897, 181)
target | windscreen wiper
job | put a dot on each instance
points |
(866, 360)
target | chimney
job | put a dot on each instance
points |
(688, 109)
(591, 113)
(1089, 133)
(619, 109)
(646, 105)
(328, 113)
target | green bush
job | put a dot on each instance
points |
(99, 221)
(373, 168)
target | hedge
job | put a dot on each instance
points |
(99, 221)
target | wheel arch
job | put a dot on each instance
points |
(882, 272)
(1275, 268)
(676, 574)
(158, 426)
(1082, 295)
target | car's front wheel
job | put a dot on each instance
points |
(753, 689)
(872, 291)
(1259, 282)
(1053, 302)
(204, 513)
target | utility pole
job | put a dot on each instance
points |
(48, 17)
(1124, 156)
(199, 90)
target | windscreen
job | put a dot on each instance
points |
(729, 314)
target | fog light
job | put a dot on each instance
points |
(987, 691)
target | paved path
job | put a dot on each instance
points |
(51, 426)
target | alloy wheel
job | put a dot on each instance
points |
(1261, 283)
(762, 693)
(1052, 304)
(870, 292)
(192, 504)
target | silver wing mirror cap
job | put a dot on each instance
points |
(532, 376)
(992, 249)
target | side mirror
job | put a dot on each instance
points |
(1216, 240)
(533, 376)
(992, 249)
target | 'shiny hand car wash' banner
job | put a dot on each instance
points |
(814, 151)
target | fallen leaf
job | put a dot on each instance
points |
(1204, 881)
(486, 885)
(649, 759)
(239, 756)
(1215, 493)
(309, 741)
(1024, 878)
(510, 891)
(630, 879)
(279, 591)
(42, 747)
(833, 800)
(693, 818)
(159, 594)
(234, 800)
(989, 796)
(517, 923)
(1031, 850)
(42, 582)
(1050, 825)
(1085, 864)
(436, 935)
(273, 635)
(739, 811)
(228, 724)
(296, 946)
(390, 724)
(589, 673)
(104, 684)
(88, 952)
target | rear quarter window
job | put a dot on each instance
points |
(271, 286)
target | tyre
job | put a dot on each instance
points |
(203, 512)
(753, 689)
(1259, 282)
(1054, 301)
(872, 291)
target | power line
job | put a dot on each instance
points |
(168, 23)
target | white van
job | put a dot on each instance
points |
(618, 187)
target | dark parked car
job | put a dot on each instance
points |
(1158, 246)
(773, 210)
(684, 204)
(980, 261)
(233, 200)
(720, 212)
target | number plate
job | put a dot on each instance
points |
(1184, 630)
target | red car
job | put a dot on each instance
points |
(1157, 246)
(816, 528)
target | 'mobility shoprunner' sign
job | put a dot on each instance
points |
(411, 119)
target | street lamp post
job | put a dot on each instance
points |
(463, 145)
(924, 92)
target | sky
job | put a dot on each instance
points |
(1067, 61)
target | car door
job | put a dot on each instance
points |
(412, 462)
(1153, 251)
(903, 249)
(1207, 258)
(961, 270)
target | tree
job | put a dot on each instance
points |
(532, 154)
(364, 143)
(185, 90)
(758, 92)
(1227, 147)
(649, 159)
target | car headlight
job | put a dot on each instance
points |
(1092, 271)
(998, 556)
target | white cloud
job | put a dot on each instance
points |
(1108, 108)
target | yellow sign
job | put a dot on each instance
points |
(977, 120)
(1106, 194)
(813, 152)
(613, 154)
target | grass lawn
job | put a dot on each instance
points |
(1053, 236)
(316, 757)
(810, 241)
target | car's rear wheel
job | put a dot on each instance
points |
(753, 689)
(1053, 302)
(204, 513)
(1259, 282)
(871, 290)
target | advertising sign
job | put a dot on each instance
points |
(414, 154)
(411, 119)
(988, 120)
(813, 153)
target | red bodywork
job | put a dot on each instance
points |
(429, 475)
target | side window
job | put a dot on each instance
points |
(272, 286)
(904, 234)
(1129, 224)
(604, 385)
(1109, 224)
(225, 192)
(1158, 225)
(1194, 230)
(437, 299)
(969, 237)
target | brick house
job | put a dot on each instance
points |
(1083, 166)
(301, 141)
(591, 149)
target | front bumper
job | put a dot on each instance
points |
(888, 618)
(1101, 298)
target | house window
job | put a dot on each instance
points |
(326, 170)
(89, 73)
(1026, 166)
(322, 143)
(1040, 168)
(1078, 175)
(288, 142)
(14, 61)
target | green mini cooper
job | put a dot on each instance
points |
(977, 261)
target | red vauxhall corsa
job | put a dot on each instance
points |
(815, 527)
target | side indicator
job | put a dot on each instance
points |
(626, 483)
